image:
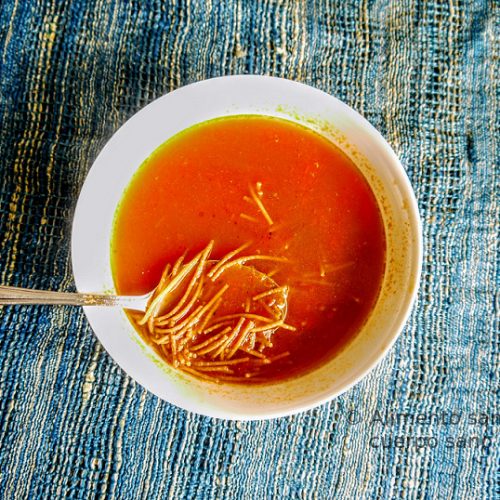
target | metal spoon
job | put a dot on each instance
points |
(15, 295)
(10, 295)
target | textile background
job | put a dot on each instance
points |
(426, 74)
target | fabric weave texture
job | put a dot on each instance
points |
(426, 75)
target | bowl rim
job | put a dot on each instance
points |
(414, 220)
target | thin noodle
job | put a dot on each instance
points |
(279, 356)
(174, 350)
(164, 278)
(189, 305)
(249, 217)
(331, 268)
(264, 341)
(227, 257)
(210, 340)
(311, 281)
(251, 340)
(268, 361)
(224, 369)
(232, 336)
(165, 351)
(243, 336)
(150, 325)
(246, 378)
(254, 353)
(178, 264)
(261, 206)
(214, 345)
(216, 326)
(270, 310)
(279, 289)
(276, 324)
(251, 377)
(177, 327)
(171, 286)
(196, 276)
(222, 363)
(182, 360)
(209, 314)
(244, 315)
(196, 315)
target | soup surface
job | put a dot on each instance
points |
(321, 216)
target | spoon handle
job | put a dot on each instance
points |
(15, 295)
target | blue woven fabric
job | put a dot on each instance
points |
(425, 423)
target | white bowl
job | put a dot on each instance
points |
(198, 102)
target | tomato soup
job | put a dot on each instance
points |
(318, 213)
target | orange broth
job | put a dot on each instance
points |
(326, 221)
